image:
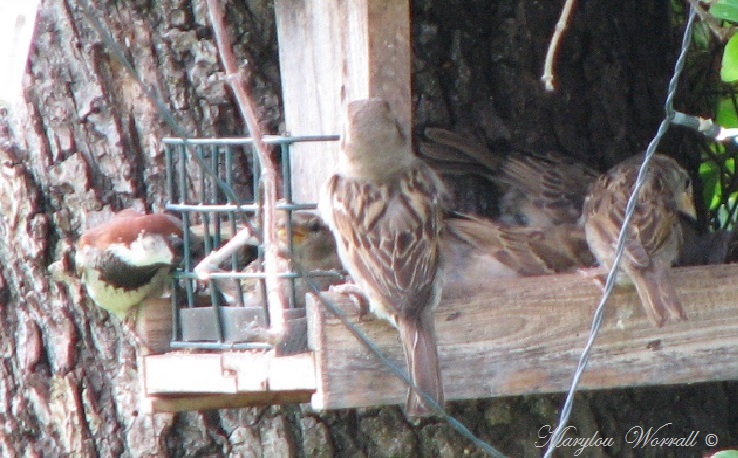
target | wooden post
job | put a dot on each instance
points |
(332, 52)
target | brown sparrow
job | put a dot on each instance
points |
(313, 253)
(485, 249)
(654, 235)
(543, 189)
(128, 259)
(313, 245)
(384, 207)
(470, 246)
(539, 189)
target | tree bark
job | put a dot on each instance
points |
(87, 143)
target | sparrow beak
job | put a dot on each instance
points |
(299, 235)
(686, 205)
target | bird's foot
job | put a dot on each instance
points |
(598, 275)
(357, 298)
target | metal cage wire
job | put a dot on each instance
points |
(202, 317)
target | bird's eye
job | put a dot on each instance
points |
(314, 226)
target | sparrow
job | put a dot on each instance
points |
(385, 208)
(128, 259)
(313, 245)
(312, 253)
(543, 189)
(469, 246)
(538, 188)
(654, 235)
(484, 249)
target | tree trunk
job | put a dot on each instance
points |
(87, 143)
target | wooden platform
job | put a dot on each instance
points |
(508, 337)
(181, 380)
(525, 336)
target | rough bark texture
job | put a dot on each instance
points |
(88, 144)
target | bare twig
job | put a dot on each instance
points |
(211, 262)
(268, 170)
(548, 77)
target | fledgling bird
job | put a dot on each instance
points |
(313, 252)
(313, 245)
(128, 259)
(384, 206)
(654, 235)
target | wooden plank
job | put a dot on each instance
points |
(332, 52)
(157, 404)
(188, 373)
(195, 381)
(154, 325)
(226, 372)
(524, 336)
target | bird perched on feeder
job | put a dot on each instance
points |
(478, 249)
(654, 234)
(313, 250)
(471, 247)
(543, 189)
(538, 188)
(384, 207)
(128, 259)
(313, 245)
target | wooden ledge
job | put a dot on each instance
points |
(195, 381)
(524, 336)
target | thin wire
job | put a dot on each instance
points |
(629, 210)
(399, 373)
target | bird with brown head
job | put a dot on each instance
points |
(654, 235)
(128, 259)
(384, 206)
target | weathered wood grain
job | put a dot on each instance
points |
(193, 381)
(525, 336)
(332, 52)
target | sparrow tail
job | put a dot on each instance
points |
(657, 293)
(418, 336)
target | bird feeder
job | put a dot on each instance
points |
(497, 337)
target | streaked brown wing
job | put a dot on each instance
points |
(656, 217)
(553, 183)
(390, 236)
(525, 249)
(605, 211)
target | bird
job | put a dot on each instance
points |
(654, 234)
(539, 188)
(385, 208)
(313, 245)
(469, 243)
(128, 259)
(543, 188)
(484, 249)
(312, 254)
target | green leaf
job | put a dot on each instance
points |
(711, 191)
(729, 69)
(726, 115)
(726, 454)
(725, 9)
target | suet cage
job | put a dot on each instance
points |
(214, 186)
